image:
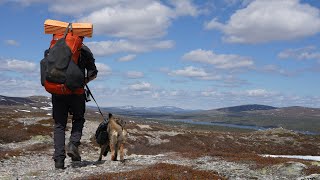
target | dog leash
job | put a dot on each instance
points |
(104, 119)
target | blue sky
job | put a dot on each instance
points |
(184, 53)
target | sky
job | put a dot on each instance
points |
(190, 54)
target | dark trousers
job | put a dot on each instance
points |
(62, 105)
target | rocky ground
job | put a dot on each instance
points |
(154, 151)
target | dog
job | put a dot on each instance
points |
(117, 135)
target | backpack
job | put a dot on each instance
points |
(101, 134)
(60, 73)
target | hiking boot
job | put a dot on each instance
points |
(59, 164)
(72, 151)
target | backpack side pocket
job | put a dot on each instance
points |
(43, 70)
(75, 77)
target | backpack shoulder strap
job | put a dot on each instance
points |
(69, 27)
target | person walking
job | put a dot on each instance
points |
(73, 104)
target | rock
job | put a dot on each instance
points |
(276, 131)
(43, 139)
(315, 163)
(289, 169)
(310, 177)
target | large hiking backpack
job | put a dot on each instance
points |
(60, 73)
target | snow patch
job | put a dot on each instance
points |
(141, 126)
(46, 108)
(312, 158)
(23, 110)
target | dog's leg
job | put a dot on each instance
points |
(106, 150)
(122, 152)
(116, 149)
(113, 146)
(103, 148)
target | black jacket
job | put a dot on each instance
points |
(87, 61)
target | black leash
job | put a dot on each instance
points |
(104, 119)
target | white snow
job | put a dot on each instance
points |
(141, 126)
(23, 110)
(126, 107)
(46, 108)
(34, 108)
(312, 158)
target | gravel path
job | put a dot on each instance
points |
(40, 165)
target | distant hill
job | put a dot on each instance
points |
(11, 101)
(294, 117)
(23, 101)
(146, 111)
(249, 107)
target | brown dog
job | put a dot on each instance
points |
(117, 138)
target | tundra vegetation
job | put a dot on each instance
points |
(154, 149)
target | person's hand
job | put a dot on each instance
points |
(88, 79)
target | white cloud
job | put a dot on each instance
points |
(139, 19)
(17, 66)
(134, 74)
(156, 95)
(220, 61)
(237, 2)
(305, 53)
(143, 19)
(264, 21)
(194, 72)
(12, 42)
(184, 8)
(103, 48)
(128, 20)
(126, 58)
(271, 68)
(210, 93)
(21, 87)
(253, 94)
(162, 94)
(80, 7)
(103, 69)
(24, 2)
(258, 92)
(190, 71)
(141, 86)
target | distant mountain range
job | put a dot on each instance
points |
(146, 111)
(22, 101)
(249, 107)
(294, 117)
(10, 101)
(149, 109)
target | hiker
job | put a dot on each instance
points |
(66, 68)
(74, 104)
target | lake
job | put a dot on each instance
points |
(252, 127)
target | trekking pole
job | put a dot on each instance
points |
(104, 119)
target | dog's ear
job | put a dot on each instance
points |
(110, 115)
